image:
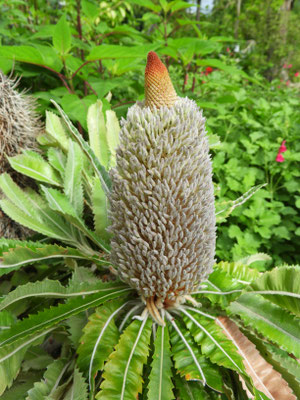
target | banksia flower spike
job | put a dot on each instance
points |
(162, 201)
(19, 127)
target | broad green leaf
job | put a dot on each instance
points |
(26, 54)
(115, 51)
(56, 130)
(214, 343)
(113, 130)
(224, 209)
(30, 252)
(189, 390)
(97, 133)
(160, 383)
(50, 381)
(99, 338)
(178, 5)
(72, 179)
(269, 320)
(242, 273)
(99, 169)
(51, 317)
(122, 376)
(33, 165)
(185, 364)
(147, 4)
(62, 36)
(11, 357)
(281, 286)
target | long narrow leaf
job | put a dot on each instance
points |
(99, 169)
(269, 319)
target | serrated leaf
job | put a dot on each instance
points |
(242, 273)
(269, 320)
(214, 344)
(79, 389)
(99, 201)
(26, 253)
(112, 135)
(189, 390)
(98, 168)
(264, 377)
(56, 130)
(72, 179)
(50, 381)
(160, 383)
(60, 203)
(52, 316)
(57, 159)
(33, 165)
(185, 364)
(280, 286)
(99, 338)
(11, 357)
(122, 376)
(224, 209)
(62, 36)
(97, 133)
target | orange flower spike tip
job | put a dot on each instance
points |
(159, 90)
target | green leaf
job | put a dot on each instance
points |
(11, 357)
(60, 203)
(57, 160)
(72, 180)
(147, 4)
(50, 381)
(160, 382)
(99, 201)
(79, 389)
(185, 363)
(106, 51)
(281, 286)
(97, 133)
(269, 320)
(56, 130)
(33, 165)
(214, 343)
(122, 376)
(62, 36)
(225, 208)
(26, 54)
(54, 315)
(189, 390)
(113, 130)
(99, 169)
(99, 338)
(24, 253)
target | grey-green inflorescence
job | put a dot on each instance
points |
(162, 202)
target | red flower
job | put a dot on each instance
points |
(279, 158)
(288, 83)
(289, 66)
(228, 50)
(297, 74)
(285, 66)
(208, 70)
(282, 149)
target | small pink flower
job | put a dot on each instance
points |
(282, 147)
(289, 66)
(228, 50)
(288, 83)
(279, 158)
(285, 66)
(297, 74)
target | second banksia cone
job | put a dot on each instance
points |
(162, 201)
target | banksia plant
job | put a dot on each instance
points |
(149, 315)
(162, 201)
(19, 127)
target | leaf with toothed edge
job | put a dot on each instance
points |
(99, 169)
(189, 390)
(160, 382)
(122, 376)
(52, 316)
(185, 364)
